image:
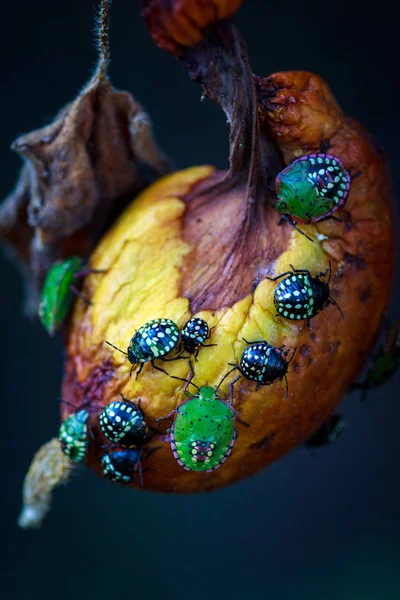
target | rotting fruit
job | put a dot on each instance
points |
(204, 243)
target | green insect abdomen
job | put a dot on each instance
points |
(203, 434)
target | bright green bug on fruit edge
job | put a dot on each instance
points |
(73, 436)
(312, 187)
(56, 294)
(204, 431)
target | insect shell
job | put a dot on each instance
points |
(194, 333)
(73, 436)
(56, 295)
(153, 340)
(264, 363)
(203, 432)
(329, 432)
(123, 465)
(122, 422)
(312, 187)
(301, 295)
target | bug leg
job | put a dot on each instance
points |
(235, 367)
(75, 291)
(91, 431)
(324, 273)
(168, 416)
(279, 276)
(139, 463)
(296, 228)
(355, 175)
(255, 342)
(139, 371)
(208, 345)
(297, 270)
(232, 383)
(292, 357)
(175, 357)
(190, 377)
(88, 271)
(157, 369)
(332, 301)
(287, 387)
(324, 146)
(242, 422)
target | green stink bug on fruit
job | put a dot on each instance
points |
(312, 187)
(203, 432)
(58, 287)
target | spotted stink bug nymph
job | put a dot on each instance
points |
(301, 295)
(312, 187)
(263, 363)
(123, 465)
(73, 436)
(194, 333)
(153, 340)
(203, 432)
(123, 422)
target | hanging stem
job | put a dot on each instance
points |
(220, 63)
(103, 38)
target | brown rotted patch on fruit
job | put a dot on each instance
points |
(365, 293)
(264, 442)
(87, 394)
(300, 105)
(229, 257)
(333, 347)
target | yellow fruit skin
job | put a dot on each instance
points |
(144, 254)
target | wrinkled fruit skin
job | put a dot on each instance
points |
(177, 24)
(149, 262)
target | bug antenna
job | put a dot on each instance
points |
(115, 348)
(68, 403)
(296, 228)
(234, 368)
(187, 381)
(332, 301)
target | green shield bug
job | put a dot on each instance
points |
(312, 187)
(57, 291)
(203, 432)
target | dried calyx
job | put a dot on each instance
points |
(79, 173)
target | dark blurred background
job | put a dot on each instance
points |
(322, 526)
